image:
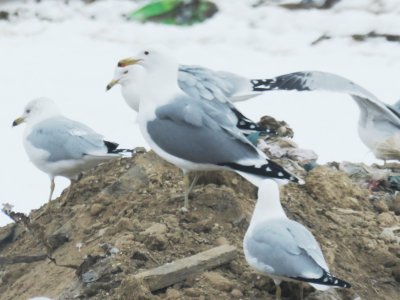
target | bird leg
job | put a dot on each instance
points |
(64, 201)
(278, 292)
(52, 186)
(301, 292)
(188, 188)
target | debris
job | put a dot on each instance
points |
(175, 12)
(179, 270)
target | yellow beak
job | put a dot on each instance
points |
(18, 121)
(111, 84)
(128, 62)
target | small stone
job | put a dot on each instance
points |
(90, 276)
(205, 225)
(221, 241)
(218, 281)
(156, 228)
(387, 219)
(156, 242)
(139, 258)
(173, 294)
(236, 268)
(396, 204)
(380, 206)
(396, 274)
(140, 150)
(96, 209)
(236, 293)
(57, 240)
(193, 292)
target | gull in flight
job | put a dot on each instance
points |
(378, 123)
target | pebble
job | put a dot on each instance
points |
(156, 228)
(236, 293)
(96, 209)
(218, 281)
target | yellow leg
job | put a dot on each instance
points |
(52, 186)
(64, 201)
(188, 188)
(278, 292)
(301, 291)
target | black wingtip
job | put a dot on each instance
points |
(326, 279)
(293, 81)
(246, 124)
(111, 146)
(269, 170)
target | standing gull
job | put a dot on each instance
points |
(192, 134)
(215, 87)
(282, 248)
(378, 124)
(59, 146)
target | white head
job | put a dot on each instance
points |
(157, 60)
(126, 76)
(131, 79)
(37, 110)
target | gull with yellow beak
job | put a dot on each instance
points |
(191, 132)
(214, 87)
(378, 125)
(60, 146)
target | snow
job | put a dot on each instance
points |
(68, 52)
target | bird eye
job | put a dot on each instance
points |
(28, 111)
(126, 72)
(146, 52)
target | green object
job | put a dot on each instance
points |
(309, 166)
(394, 182)
(175, 12)
(253, 137)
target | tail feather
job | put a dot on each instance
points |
(112, 148)
(326, 279)
(268, 170)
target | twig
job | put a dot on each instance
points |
(4, 260)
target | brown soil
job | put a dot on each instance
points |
(124, 217)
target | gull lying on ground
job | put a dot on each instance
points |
(378, 124)
(194, 134)
(282, 248)
(214, 87)
(59, 146)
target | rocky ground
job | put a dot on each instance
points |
(124, 217)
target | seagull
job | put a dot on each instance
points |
(282, 248)
(378, 124)
(60, 146)
(194, 134)
(214, 87)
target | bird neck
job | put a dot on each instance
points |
(159, 86)
(131, 95)
(41, 116)
(268, 204)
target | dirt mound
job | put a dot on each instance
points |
(124, 217)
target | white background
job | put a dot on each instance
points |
(68, 53)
